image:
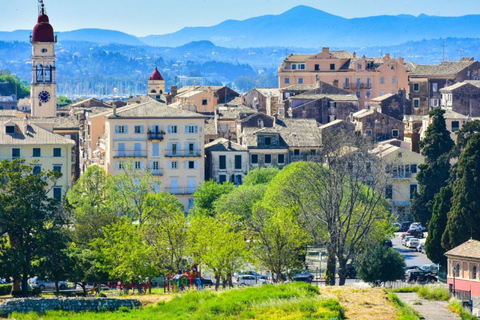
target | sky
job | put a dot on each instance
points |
(146, 17)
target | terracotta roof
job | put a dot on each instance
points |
(66, 123)
(43, 31)
(222, 144)
(152, 110)
(156, 75)
(468, 249)
(298, 57)
(34, 135)
(446, 68)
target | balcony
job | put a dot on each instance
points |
(130, 153)
(181, 190)
(346, 86)
(156, 172)
(156, 135)
(182, 153)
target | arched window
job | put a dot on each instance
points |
(153, 91)
(39, 73)
(457, 270)
(474, 272)
(48, 73)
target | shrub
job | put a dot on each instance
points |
(5, 289)
(405, 311)
(436, 292)
(456, 306)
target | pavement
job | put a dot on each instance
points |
(412, 257)
(430, 310)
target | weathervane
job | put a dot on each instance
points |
(41, 7)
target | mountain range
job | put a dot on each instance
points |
(301, 26)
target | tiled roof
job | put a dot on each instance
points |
(210, 128)
(450, 114)
(299, 87)
(384, 97)
(8, 113)
(153, 110)
(222, 144)
(139, 100)
(341, 54)
(446, 68)
(469, 249)
(269, 92)
(234, 113)
(335, 97)
(66, 123)
(34, 135)
(298, 57)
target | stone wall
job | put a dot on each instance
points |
(40, 305)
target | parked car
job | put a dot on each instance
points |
(409, 268)
(3, 281)
(247, 280)
(302, 273)
(302, 278)
(207, 282)
(405, 240)
(253, 273)
(412, 243)
(417, 226)
(42, 285)
(433, 268)
(405, 226)
(421, 276)
(421, 247)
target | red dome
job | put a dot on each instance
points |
(156, 75)
(43, 31)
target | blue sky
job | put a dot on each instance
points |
(144, 17)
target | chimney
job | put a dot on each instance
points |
(25, 125)
(173, 90)
(326, 49)
(387, 56)
(114, 110)
(354, 54)
(401, 60)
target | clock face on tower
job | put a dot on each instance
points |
(44, 96)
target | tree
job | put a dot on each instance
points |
(464, 215)
(241, 200)
(14, 86)
(468, 129)
(436, 147)
(437, 225)
(379, 264)
(63, 101)
(260, 176)
(218, 243)
(278, 240)
(28, 216)
(208, 193)
(93, 205)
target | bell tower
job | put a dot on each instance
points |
(156, 85)
(43, 94)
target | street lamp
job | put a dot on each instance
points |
(454, 272)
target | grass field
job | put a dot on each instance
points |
(286, 301)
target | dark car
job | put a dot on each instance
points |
(302, 278)
(405, 226)
(207, 282)
(388, 243)
(417, 233)
(421, 277)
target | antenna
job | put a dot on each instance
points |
(443, 45)
(41, 7)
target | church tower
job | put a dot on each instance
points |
(43, 94)
(156, 85)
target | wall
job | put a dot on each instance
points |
(40, 305)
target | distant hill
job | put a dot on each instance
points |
(304, 26)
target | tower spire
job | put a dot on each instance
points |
(41, 7)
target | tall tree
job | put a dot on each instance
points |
(436, 147)
(379, 264)
(208, 193)
(464, 215)
(241, 200)
(260, 176)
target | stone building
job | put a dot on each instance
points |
(395, 105)
(377, 125)
(462, 97)
(226, 160)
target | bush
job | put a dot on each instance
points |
(101, 295)
(381, 263)
(456, 306)
(435, 292)
(405, 311)
(5, 289)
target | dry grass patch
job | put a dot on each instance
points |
(150, 299)
(363, 303)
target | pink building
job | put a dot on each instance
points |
(364, 77)
(464, 266)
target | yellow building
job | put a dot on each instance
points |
(166, 141)
(25, 139)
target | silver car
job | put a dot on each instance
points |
(42, 285)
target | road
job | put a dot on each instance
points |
(412, 258)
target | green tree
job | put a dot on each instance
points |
(260, 176)
(467, 131)
(63, 101)
(241, 200)
(28, 216)
(464, 215)
(437, 225)
(208, 193)
(93, 205)
(436, 147)
(14, 86)
(379, 264)
(278, 240)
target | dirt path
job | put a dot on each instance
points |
(430, 310)
(363, 303)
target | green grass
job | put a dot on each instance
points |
(455, 305)
(429, 292)
(405, 312)
(286, 301)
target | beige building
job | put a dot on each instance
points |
(454, 122)
(402, 164)
(226, 161)
(364, 77)
(203, 99)
(34, 142)
(154, 137)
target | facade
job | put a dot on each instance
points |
(454, 122)
(427, 80)
(263, 100)
(204, 99)
(154, 137)
(361, 76)
(8, 102)
(377, 125)
(463, 268)
(156, 85)
(226, 161)
(462, 97)
(393, 105)
(25, 139)
(43, 93)
(402, 164)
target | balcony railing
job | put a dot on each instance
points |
(181, 190)
(130, 154)
(155, 135)
(182, 153)
(346, 86)
(156, 172)
(305, 157)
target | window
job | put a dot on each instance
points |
(155, 165)
(204, 102)
(359, 67)
(455, 126)
(286, 80)
(268, 141)
(347, 83)
(359, 83)
(456, 270)
(392, 66)
(434, 87)
(394, 80)
(359, 94)
(369, 133)
(238, 179)
(317, 67)
(138, 165)
(57, 193)
(382, 93)
(15, 153)
(301, 66)
(138, 129)
(155, 149)
(37, 152)
(121, 129)
(368, 94)
(48, 73)
(413, 190)
(416, 103)
(222, 160)
(222, 178)
(300, 80)
(120, 165)
(238, 162)
(191, 203)
(413, 168)
(395, 133)
(37, 169)
(192, 165)
(389, 192)
(57, 168)
(268, 158)
(416, 87)
(44, 50)
(10, 129)
(281, 159)
(382, 80)
(332, 66)
(296, 152)
(369, 83)
(173, 165)
(172, 129)
(191, 129)
(400, 155)
(474, 272)
(294, 67)
(254, 158)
